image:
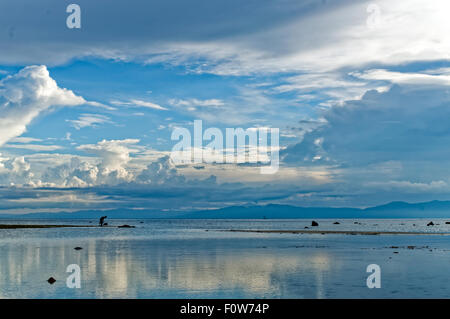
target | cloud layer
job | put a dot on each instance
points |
(303, 35)
(367, 83)
(23, 96)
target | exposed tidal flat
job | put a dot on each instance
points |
(18, 226)
(204, 259)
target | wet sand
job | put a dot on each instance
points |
(10, 226)
(18, 226)
(344, 232)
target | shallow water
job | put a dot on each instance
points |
(198, 259)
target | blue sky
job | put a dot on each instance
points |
(358, 89)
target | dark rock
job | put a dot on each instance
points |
(447, 223)
(430, 224)
(105, 224)
(314, 223)
(126, 226)
(51, 280)
(411, 247)
(78, 248)
(336, 223)
(306, 227)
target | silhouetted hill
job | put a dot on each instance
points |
(273, 211)
(432, 209)
(436, 209)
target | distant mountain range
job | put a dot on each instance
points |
(433, 209)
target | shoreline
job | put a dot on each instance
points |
(17, 226)
(343, 232)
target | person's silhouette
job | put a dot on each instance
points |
(102, 219)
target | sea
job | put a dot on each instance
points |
(176, 258)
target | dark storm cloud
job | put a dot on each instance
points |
(36, 32)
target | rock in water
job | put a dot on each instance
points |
(447, 223)
(336, 223)
(78, 248)
(314, 223)
(430, 224)
(51, 280)
(125, 226)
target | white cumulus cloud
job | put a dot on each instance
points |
(114, 154)
(23, 96)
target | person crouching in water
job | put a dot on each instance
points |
(102, 220)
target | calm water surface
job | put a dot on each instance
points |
(198, 259)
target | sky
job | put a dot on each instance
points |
(359, 90)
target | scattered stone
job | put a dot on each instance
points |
(78, 248)
(314, 223)
(336, 223)
(394, 247)
(411, 247)
(395, 252)
(447, 223)
(126, 226)
(306, 227)
(51, 280)
(430, 224)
